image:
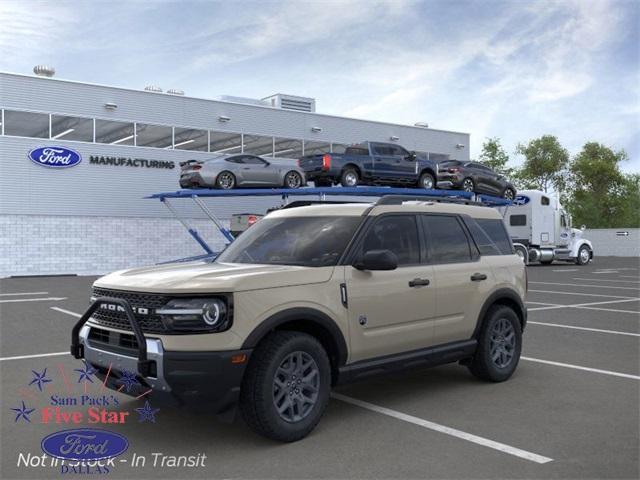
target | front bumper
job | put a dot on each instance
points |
(136, 365)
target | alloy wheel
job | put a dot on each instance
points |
(293, 180)
(584, 255)
(226, 181)
(467, 185)
(503, 343)
(427, 182)
(508, 194)
(295, 386)
(351, 179)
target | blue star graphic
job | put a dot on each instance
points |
(23, 412)
(129, 379)
(85, 373)
(39, 379)
(147, 413)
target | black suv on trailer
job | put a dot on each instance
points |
(474, 177)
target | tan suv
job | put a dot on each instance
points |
(310, 297)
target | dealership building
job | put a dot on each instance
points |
(92, 217)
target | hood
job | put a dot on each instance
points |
(202, 277)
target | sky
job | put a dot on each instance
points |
(514, 70)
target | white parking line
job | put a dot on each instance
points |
(485, 442)
(68, 312)
(580, 294)
(567, 270)
(586, 305)
(22, 357)
(579, 367)
(597, 330)
(48, 299)
(605, 272)
(628, 276)
(23, 293)
(587, 286)
(604, 280)
(610, 310)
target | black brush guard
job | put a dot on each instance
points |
(77, 349)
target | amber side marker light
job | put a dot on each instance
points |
(240, 358)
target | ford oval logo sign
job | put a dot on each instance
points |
(55, 157)
(521, 200)
(84, 444)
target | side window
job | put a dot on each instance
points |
(398, 233)
(544, 201)
(518, 220)
(235, 159)
(399, 151)
(448, 241)
(563, 220)
(251, 160)
(497, 233)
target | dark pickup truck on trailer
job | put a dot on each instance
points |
(371, 163)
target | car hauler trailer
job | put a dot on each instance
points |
(541, 230)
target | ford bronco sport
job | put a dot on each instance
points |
(308, 298)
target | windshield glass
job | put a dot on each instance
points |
(305, 241)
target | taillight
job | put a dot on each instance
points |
(196, 167)
(251, 220)
(454, 170)
(326, 161)
(299, 162)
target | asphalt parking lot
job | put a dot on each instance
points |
(570, 411)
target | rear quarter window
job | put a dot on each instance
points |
(490, 236)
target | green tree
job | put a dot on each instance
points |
(545, 164)
(600, 195)
(494, 156)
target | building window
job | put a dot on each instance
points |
(190, 139)
(26, 124)
(71, 128)
(438, 157)
(114, 133)
(258, 145)
(157, 136)
(314, 148)
(287, 148)
(225, 142)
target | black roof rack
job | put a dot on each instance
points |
(399, 199)
(306, 203)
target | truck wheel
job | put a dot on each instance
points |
(499, 345)
(349, 178)
(584, 255)
(226, 180)
(468, 185)
(286, 387)
(508, 194)
(427, 181)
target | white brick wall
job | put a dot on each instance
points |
(607, 242)
(42, 245)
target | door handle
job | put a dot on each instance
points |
(478, 277)
(419, 282)
(246, 168)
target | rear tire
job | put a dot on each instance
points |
(292, 180)
(225, 180)
(508, 194)
(349, 178)
(427, 181)
(499, 345)
(286, 387)
(468, 185)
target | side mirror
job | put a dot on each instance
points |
(412, 156)
(583, 228)
(377, 260)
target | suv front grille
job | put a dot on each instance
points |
(149, 323)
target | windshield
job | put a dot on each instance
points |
(304, 241)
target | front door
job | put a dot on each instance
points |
(257, 171)
(390, 311)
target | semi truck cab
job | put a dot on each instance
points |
(542, 231)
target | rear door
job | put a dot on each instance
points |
(383, 160)
(462, 278)
(390, 311)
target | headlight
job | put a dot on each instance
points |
(196, 314)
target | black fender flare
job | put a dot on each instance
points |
(303, 314)
(512, 297)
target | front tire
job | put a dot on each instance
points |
(427, 181)
(226, 180)
(584, 255)
(286, 388)
(499, 345)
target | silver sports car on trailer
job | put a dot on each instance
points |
(241, 170)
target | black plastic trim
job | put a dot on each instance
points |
(301, 314)
(424, 357)
(502, 293)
